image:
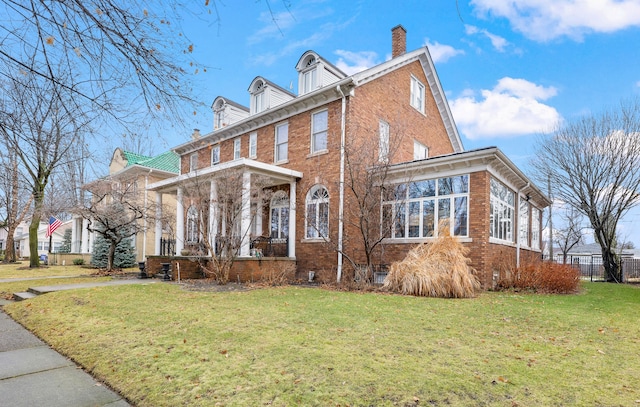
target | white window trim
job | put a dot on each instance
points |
(213, 149)
(420, 151)
(237, 148)
(497, 205)
(315, 150)
(416, 84)
(276, 157)
(523, 222)
(193, 162)
(253, 145)
(308, 200)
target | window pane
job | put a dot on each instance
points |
(460, 213)
(428, 217)
(284, 222)
(323, 219)
(400, 220)
(275, 222)
(414, 219)
(319, 131)
(311, 220)
(421, 189)
(444, 214)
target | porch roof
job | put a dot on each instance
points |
(277, 174)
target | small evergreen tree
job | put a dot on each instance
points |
(66, 242)
(125, 255)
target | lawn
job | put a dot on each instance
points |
(160, 345)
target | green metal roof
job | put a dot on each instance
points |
(168, 161)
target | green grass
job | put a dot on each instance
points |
(22, 270)
(161, 346)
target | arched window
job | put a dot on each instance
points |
(279, 215)
(192, 224)
(317, 213)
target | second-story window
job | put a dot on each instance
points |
(237, 145)
(253, 145)
(417, 94)
(215, 155)
(420, 151)
(319, 126)
(282, 143)
(193, 162)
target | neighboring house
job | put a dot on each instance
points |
(142, 171)
(22, 239)
(296, 141)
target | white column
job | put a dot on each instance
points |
(292, 219)
(158, 225)
(74, 235)
(84, 237)
(213, 216)
(179, 222)
(92, 236)
(245, 217)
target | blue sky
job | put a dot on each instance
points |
(510, 69)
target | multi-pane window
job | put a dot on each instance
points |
(237, 146)
(258, 102)
(420, 151)
(319, 126)
(383, 145)
(192, 225)
(282, 143)
(218, 118)
(215, 155)
(317, 213)
(523, 222)
(280, 216)
(502, 216)
(193, 162)
(422, 208)
(417, 94)
(253, 145)
(535, 228)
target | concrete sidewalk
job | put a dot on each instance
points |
(32, 374)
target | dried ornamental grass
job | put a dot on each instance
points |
(436, 269)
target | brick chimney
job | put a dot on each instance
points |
(196, 134)
(398, 41)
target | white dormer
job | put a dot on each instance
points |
(226, 112)
(315, 72)
(266, 94)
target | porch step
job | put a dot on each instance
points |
(24, 296)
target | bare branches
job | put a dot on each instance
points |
(592, 166)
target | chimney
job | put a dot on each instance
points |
(398, 41)
(196, 134)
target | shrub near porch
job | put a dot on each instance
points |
(161, 346)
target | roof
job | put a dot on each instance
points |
(168, 161)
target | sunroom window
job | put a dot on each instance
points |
(502, 211)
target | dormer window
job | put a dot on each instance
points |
(227, 112)
(309, 81)
(258, 102)
(315, 72)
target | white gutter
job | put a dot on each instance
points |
(341, 200)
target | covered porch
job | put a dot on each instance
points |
(224, 206)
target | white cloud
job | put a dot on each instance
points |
(544, 20)
(512, 108)
(354, 62)
(440, 52)
(498, 42)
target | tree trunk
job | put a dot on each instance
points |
(10, 251)
(611, 264)
(34, 258)
(111, 255)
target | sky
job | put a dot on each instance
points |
(511, 70)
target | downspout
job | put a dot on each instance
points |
(341, 187)
(145, 224)
(518, 244)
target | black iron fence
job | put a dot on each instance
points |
(167, 247)
(592, 268)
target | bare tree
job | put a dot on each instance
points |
(15, 200)
(570, 234)
(215, 224)
(115, 212)
(592, 165)
(41, 125)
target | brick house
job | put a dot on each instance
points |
(396, 109)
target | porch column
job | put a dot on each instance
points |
(74, 235)
(179, 222)
(84, 240)
(245, 217)
(292, 219)
(213, 216)
(158, 224)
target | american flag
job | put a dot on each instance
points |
(53, 225)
